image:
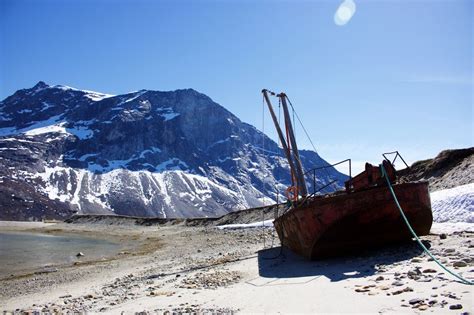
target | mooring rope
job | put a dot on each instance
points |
(465, 281)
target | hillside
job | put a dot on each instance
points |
(450, 168)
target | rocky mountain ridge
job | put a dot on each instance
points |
(144, 153)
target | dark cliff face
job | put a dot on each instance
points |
(146, 153)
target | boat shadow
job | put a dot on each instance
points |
(281, 263)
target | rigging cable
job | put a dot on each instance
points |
(304, 129)
(294, 125)
(263, 182)
(307, 135)
(279, 111)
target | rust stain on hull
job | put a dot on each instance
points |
(338, 224)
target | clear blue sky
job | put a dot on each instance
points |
(398, 75)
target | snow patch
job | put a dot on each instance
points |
(48, 129)
(4, 118)
(169, 116)
(453, 205)
(86, 156)
(40, 127)
(86, 122)
(45, 106)
(128, 100)
(23, 111)
(171, 164)
(260, 224)
(167, 113)
(50, 125)
(219, 142)
(151, 150)
(92, 95)
(81, 132)
(95, 96)
(449, 228)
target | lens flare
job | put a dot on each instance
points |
(344, 12)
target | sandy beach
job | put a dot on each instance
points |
(174, 267)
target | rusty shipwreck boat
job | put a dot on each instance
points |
(361, 216)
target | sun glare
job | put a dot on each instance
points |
(344, 12)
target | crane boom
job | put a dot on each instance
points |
(280, 133)
(297, 162)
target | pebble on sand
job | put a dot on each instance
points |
(459, 263)
(455, 307)
(415, 301)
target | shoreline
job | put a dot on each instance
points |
(130, 243)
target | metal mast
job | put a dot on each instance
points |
(289, 127)
(280, 133)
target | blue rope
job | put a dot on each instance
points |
(465, 281)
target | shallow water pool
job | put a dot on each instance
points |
(25, 252)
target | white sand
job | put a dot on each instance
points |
(298, 286)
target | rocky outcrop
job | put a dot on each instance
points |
(448, 169)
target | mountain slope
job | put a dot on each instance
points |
(450, 168)
(145, 153)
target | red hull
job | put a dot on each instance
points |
(334, 225)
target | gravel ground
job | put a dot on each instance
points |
(189, 263)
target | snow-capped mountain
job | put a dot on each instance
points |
(145, 153)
